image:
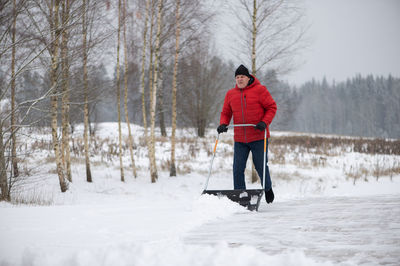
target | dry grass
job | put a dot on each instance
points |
(305, 152)
(33, 197)
(41, 145)
(378, 170)
(358, 172)
(50, 159)
(320, 148)
(327, 145)
(313, 152)
(165, 165)
(287, 176)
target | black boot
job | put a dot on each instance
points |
(269, 196)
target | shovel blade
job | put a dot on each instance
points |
(249, 198)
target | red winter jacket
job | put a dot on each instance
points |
(249, 105)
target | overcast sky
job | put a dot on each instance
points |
(347, 37)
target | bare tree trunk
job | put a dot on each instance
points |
(130, 138)
(253, 39)
(152, 157)
(201, 127)
(160, 93)
(151, 64)
(86, 97)
(121, 166)
(174, 89)
(143, 67)
(254, 175)
(5, 195)
(160, 101)
(66, 152)
(150, 71)
(54, 101)
(13, 111)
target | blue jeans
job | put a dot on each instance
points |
(241, 153)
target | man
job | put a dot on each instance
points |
(249, 103)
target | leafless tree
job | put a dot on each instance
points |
(5, 195)
(85, 91)
(14, 159)
(65, 148)
(271, 33)
(142, 77)
(119, 95)
(151, 142)
(174, 89)
(11, 39)
(130, 137)
(153, 16)
(207, 78)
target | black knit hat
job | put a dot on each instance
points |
(242, 70)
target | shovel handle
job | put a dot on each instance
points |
(241, 125)
(212, 160)
(215, 146)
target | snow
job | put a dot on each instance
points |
(346, 230)
(319, 217)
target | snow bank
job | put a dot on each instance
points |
(171, 252)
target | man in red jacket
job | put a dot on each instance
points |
(249, 103)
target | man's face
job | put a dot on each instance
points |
(242, 81)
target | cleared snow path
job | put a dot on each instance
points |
(340, 230)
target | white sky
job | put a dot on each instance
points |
(347, 37)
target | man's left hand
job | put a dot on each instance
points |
(261, 126)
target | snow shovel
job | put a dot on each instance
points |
(249, 198)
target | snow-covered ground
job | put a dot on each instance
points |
(349, 230)
(319, 217)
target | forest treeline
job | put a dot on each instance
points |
(367, 106)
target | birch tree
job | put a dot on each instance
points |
(10, 40)
(174, 88)
(151, 49)
(151, 148)
(142, 78)
(14, 159)
(5, 195)
(254, 174)
(130, 138)
(65, 148)
(55, 31)
(121, 166)
(272, 33)
(160, 96)
(86, 92)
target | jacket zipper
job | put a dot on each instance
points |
(242, 96)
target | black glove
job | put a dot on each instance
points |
(222, 128)
(269, 196)
(261, 126)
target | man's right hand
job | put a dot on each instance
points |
(222, 128)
